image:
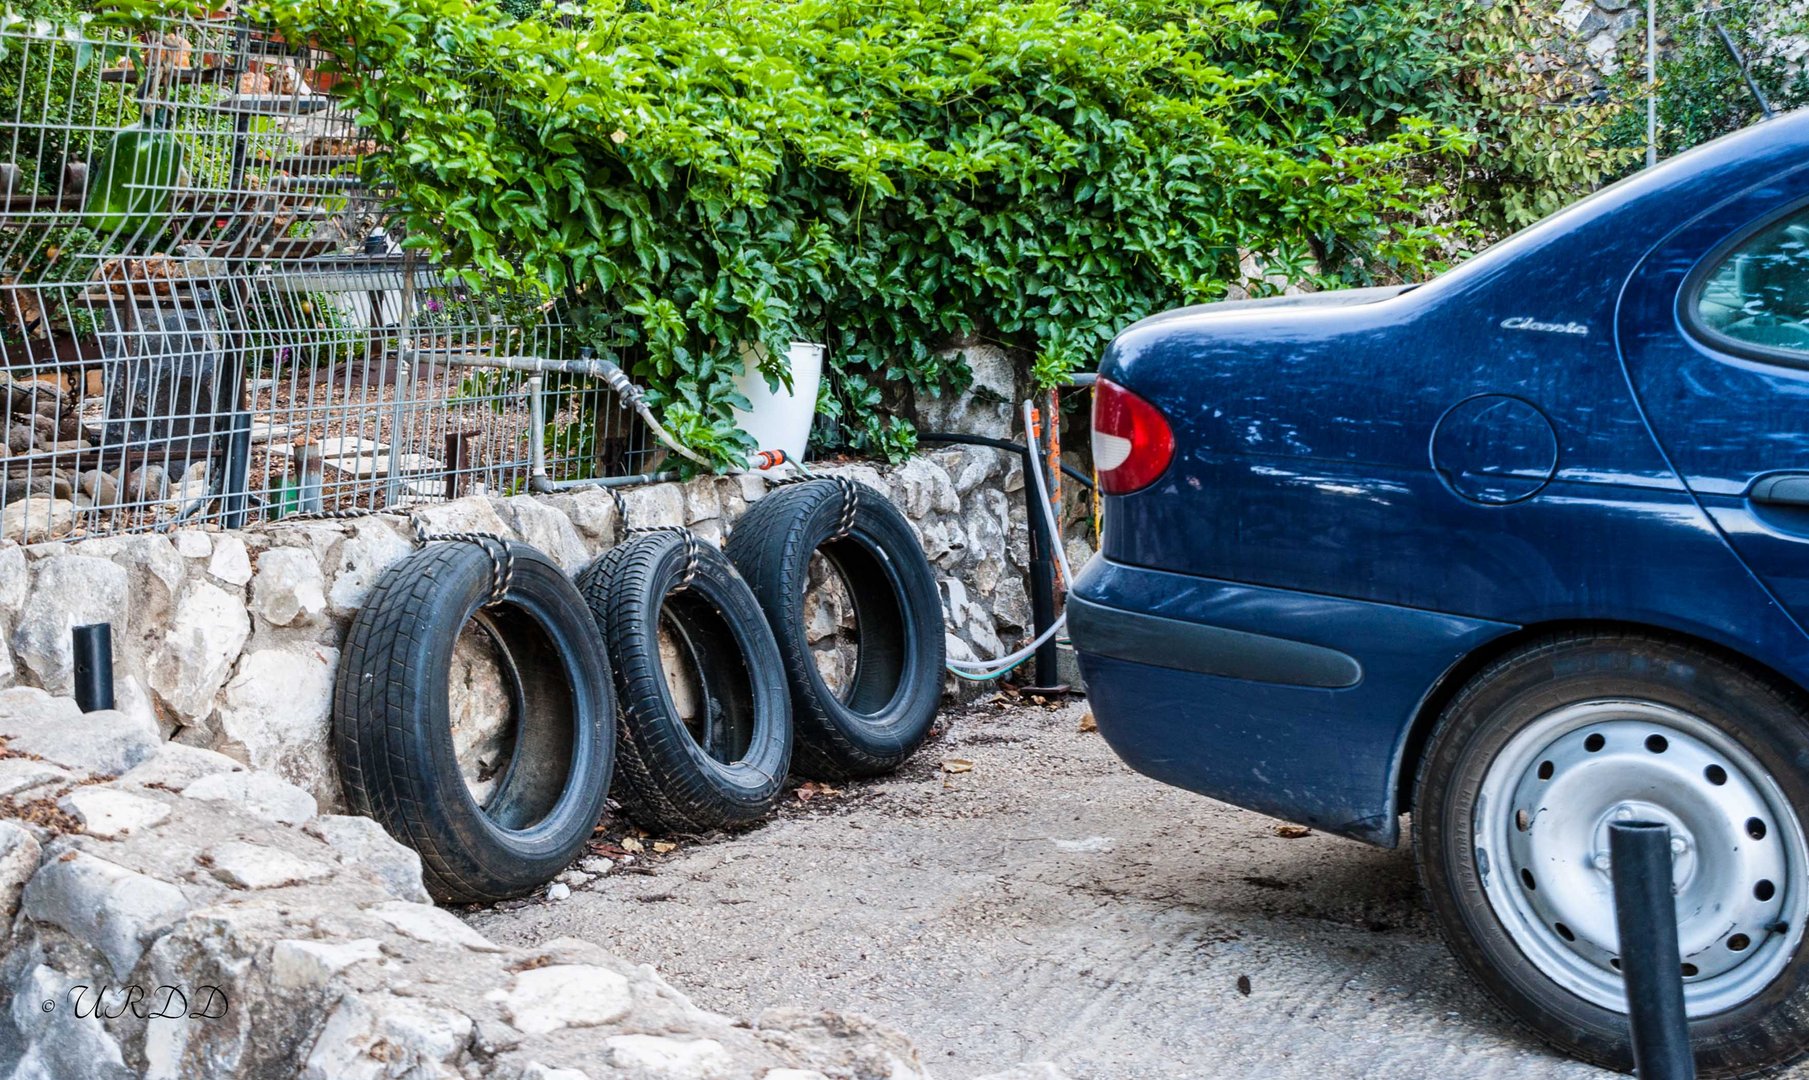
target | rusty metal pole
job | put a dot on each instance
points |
(458, 463)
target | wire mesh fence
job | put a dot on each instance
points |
(206, 314)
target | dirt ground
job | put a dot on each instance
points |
(1046, 903)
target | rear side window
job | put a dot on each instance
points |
(1757, 295)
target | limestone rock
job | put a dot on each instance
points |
(192, 543)
(115, 909)
(110, 813)
(67, 591)
(19, 855)
(37, 518)
(592, 511)
(254, 866)
(13, 576)
(658, 1057)
(57, 730)
(306, 965)
(231, 562)
(654, 505)
(871, 1049)
(424, 922)
(370, 550)
(702, 503)
(20, 777)
(923, 486)
(278, 708)
(259, 793)
(289, 588)
(549, 530)
(564, 995)
(67, 1041)
(987, 407)
(474, 513)
(176, 766)
(100, 486)
(360, 842)
(204, 638)
(154, 570)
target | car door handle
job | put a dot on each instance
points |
(1782, 489)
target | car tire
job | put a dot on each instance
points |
(896, 687)
(392, 732)
(1532, 759)
(662, 599)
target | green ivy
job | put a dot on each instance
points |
(877, 174)
(691, 182)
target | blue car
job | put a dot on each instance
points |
(1520, 551)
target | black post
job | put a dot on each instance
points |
(94, 667)
(1645, 913)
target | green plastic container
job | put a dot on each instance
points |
(130, 188)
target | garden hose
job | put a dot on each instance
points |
(982, 670)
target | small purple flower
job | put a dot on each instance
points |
(433, 305)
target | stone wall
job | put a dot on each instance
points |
(229, 640)
(1610, 32)
(167, 913)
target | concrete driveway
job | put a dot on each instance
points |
(1042, 902)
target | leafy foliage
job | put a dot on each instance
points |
(1701, 91)
(695, 184)
(879, 174)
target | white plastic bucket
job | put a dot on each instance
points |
(781, 421)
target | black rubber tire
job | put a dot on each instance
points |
(1767, 718)
(392, 732)
(666, 779)
(897, 684)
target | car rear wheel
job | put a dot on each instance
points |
(1533, 761)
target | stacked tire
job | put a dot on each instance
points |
(674, 676)
(392, 729)
(883, 715)
(705, 737)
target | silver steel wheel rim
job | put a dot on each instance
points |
(1739, 859)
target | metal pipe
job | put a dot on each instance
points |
(536, 435)
(1645, 914)
(405, 373)
(94, 667)
(548, 487)
(1739, 58)
(587, 365)
(1651, 83)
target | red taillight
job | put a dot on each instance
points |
(1132, 443)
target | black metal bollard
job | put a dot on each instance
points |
(94, 667)
(1645, 913)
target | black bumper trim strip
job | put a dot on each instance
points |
(1209, 650)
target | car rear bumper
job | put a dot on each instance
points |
(1288, 703)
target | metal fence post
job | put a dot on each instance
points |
(94, 667)
(1645, 913)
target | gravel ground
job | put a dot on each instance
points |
(1049, 904)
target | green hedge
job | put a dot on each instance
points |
(884, 174)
